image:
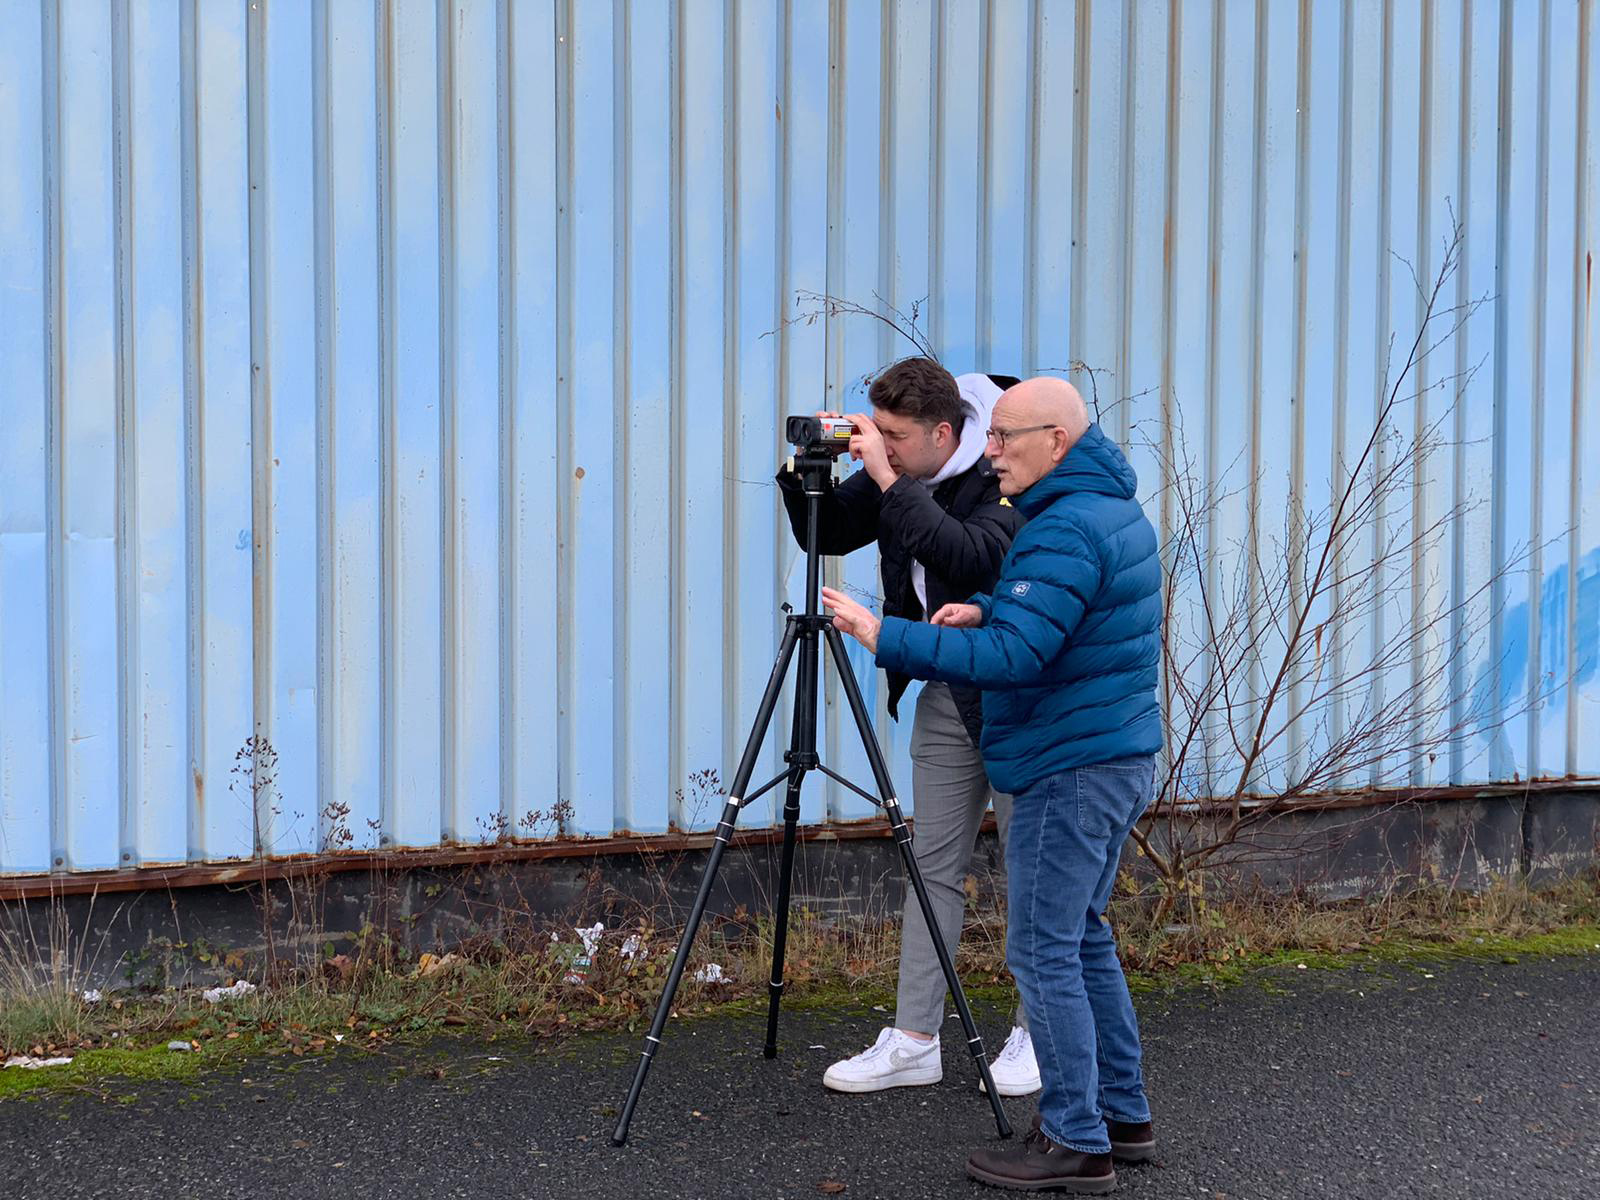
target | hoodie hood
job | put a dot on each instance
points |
(979, 393)
(1095, 464)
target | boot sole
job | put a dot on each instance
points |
(903, 1079)
(1133, 1152)
(1066, 1183)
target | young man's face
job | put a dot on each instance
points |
(913, 448)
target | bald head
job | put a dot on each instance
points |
(1045, 400)
(1034, 426)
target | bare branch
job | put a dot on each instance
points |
(1291, 659)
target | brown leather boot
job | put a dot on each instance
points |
(1131, 1143)
(1039, 1164)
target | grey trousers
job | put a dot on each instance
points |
(951, 791)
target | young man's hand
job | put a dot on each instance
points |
(958, 616)
(867, 448)
(850, 617)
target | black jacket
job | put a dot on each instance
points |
(959, 530)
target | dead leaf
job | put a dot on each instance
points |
(830, 1187)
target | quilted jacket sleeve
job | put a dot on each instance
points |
(1048, 583)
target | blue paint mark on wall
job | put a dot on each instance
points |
(1493, 709)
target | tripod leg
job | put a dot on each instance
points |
(730, 813)
(802, 757)
(902, 837)
(780, 933)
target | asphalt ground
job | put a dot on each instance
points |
(1466, 1079)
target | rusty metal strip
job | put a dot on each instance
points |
(29, 887)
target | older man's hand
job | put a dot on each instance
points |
(958, 616)
(850, 617)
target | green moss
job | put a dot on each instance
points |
(92, 1065)
(1263, 969)
(129, 1064)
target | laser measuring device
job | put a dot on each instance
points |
(822, 435)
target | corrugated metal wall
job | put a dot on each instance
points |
(400, 383)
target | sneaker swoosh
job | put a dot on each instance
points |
(901, 1059)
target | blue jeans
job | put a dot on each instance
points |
(1067, 833)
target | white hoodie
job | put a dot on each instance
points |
(979, 392)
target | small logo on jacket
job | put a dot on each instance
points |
(1019, 589)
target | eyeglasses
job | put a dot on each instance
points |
(1001, 436)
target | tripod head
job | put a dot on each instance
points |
(814, 469)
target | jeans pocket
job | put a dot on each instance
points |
(1111, 796)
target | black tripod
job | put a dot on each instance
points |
(802, 631)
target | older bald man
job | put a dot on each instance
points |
(1066, 650)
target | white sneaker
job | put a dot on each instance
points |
(894, 1060)
(1015, 1070)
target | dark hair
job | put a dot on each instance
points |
(921, 389)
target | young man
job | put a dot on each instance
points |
(1067, 651)
(929, 498)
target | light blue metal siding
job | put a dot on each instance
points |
(27, 518)
(534, 727)
(1583, 566)
(390, 392)
(89, 364)
(155, 524)
(221, 459)
(351, 746)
